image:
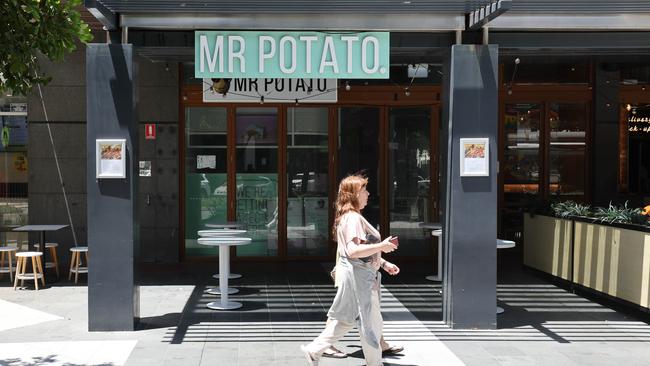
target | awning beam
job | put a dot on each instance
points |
(105, 16)
(484, 14)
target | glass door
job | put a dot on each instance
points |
(205, 174)
(256, 134)
(307, 181)
(358, 151)
(409, 178)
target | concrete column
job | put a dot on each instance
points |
(113, 298)
(470, 110)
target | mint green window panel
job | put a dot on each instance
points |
(205, 174)
(257, 179)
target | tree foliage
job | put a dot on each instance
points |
(31, 27)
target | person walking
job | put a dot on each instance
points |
(358, 277)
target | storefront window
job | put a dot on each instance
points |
(205, 174)
(257, 179)
(521, 165)
(409, 190)
(307, 188)
(13, 168)
(634, 150)
(567, 122)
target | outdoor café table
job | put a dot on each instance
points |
(42, 229)
(221, 233)
(436, 230)
(224, 244)
(230, 225)
(504, 244)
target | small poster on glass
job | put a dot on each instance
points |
(110, 158)
(474, 157)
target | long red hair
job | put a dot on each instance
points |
(347, 198)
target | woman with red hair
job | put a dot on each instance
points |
(357, 276)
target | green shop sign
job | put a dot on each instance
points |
(232, 54)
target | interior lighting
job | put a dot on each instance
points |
(628, 107)
(347, 86)
(407, 92)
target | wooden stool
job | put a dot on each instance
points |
(55, 259)
(21, 267)
(75, 262)
(6, 254)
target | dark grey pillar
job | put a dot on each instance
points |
(470, 110)
(605, 135)
(113, 298)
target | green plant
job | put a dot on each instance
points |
(568, 209)
(618, 214)
(29, 28)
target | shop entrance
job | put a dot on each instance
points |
(283, 163)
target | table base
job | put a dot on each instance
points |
(217, 291)
(230, 305)
(231, 276)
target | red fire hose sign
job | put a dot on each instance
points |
(150, 131)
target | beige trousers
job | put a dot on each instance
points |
(335, 330)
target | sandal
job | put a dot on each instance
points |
(311, 360)
(392, 350)
(333, 352)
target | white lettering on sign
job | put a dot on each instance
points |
(263, 54)
(205, 54)
(296, 55)
(308, 41)
(375, 56)
(349, 40)
(239, 54)
(329, 53)
(294, 62)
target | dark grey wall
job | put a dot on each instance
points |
(470, 109)
(158, 198)
(604, 167)
(65, 100)
(113, 299)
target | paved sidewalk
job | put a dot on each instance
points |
(285, 307)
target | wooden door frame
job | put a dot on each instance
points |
(382, 97)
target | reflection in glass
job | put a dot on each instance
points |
(358, 151)
(409, 171)
(205, 174)
(567, 122)
(307, 193)
(257, 179)
(521, 166)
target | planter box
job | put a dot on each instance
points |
(613, 260)
(547, 245)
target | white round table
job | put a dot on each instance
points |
(436, 230)
(224, 244)
(230, 225)
(504, 244)
(220, 233)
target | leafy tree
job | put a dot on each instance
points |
(32, 27)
